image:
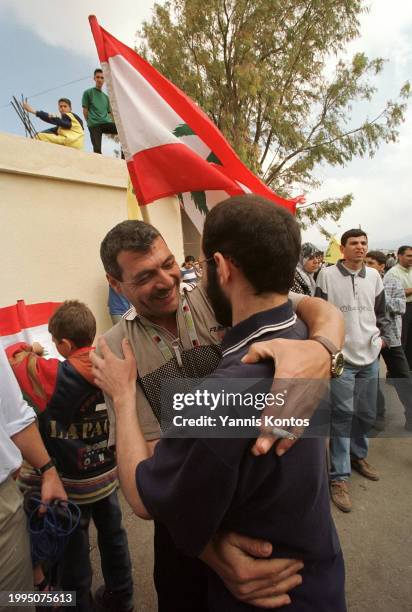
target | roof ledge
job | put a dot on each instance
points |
(19, 155)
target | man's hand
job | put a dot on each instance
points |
(242, 564)
(37, 348)
(303, 372)
(116, 377)
(51, 488)
(27, 107)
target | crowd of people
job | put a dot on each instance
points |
(69, 128)
(386, 334)
(240, 522)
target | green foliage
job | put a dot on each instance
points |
(330, 209)
(262, 70)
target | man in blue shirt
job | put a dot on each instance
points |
(196, 486)
(117, 304)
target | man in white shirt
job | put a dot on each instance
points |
(19, 437)
(188, 271)
(359, 294)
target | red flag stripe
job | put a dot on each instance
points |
(22, 316)
(158, 177)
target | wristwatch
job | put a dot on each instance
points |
(337, 360)
(40, 471)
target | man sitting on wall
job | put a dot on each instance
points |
(69, 130)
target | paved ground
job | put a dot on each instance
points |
(376, 536)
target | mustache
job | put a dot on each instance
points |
(163, 292)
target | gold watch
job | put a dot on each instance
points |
(337, 360)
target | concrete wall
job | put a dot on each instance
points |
(56, 205)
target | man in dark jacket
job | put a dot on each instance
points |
(74, 426)
(197, 485)
(69, 130)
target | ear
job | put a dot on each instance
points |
(223, 267)
(341, 248)
(114, 283)
(65, 347)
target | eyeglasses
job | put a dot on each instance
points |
(202, 262)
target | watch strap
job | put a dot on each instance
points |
(328, 344)
(45, 467)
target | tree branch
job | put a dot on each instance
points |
(274, 171)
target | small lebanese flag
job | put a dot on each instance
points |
(28, 323)
(170, 145)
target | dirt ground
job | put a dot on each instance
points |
(376, 536)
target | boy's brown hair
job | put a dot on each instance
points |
(75, 321)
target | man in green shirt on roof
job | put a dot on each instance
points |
(97, 112)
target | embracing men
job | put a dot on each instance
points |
(172, 334)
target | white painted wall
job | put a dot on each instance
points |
(56, 205)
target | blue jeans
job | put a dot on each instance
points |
(354, 397)
(75, 568)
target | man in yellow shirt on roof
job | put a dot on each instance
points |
(69, 130)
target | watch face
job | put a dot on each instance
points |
(338, 364)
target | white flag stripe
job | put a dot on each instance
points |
(39, 333)
(161, 163)
(149, 119)
(196, 216)
(115, 111)
(242, 186)
(197, 145)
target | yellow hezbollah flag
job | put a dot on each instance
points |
(333, 251)
(133, 208)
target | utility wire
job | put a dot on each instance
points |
(40, 93)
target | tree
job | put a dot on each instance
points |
(262, 71)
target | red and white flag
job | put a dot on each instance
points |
(28, 323)
(170, 145)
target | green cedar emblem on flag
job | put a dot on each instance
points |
(198, 197)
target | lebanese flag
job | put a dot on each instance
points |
(170, 145)
(28, 323)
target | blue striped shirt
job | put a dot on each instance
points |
(395, 306)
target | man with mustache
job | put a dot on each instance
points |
(177, 335)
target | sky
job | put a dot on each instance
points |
(44, 47)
